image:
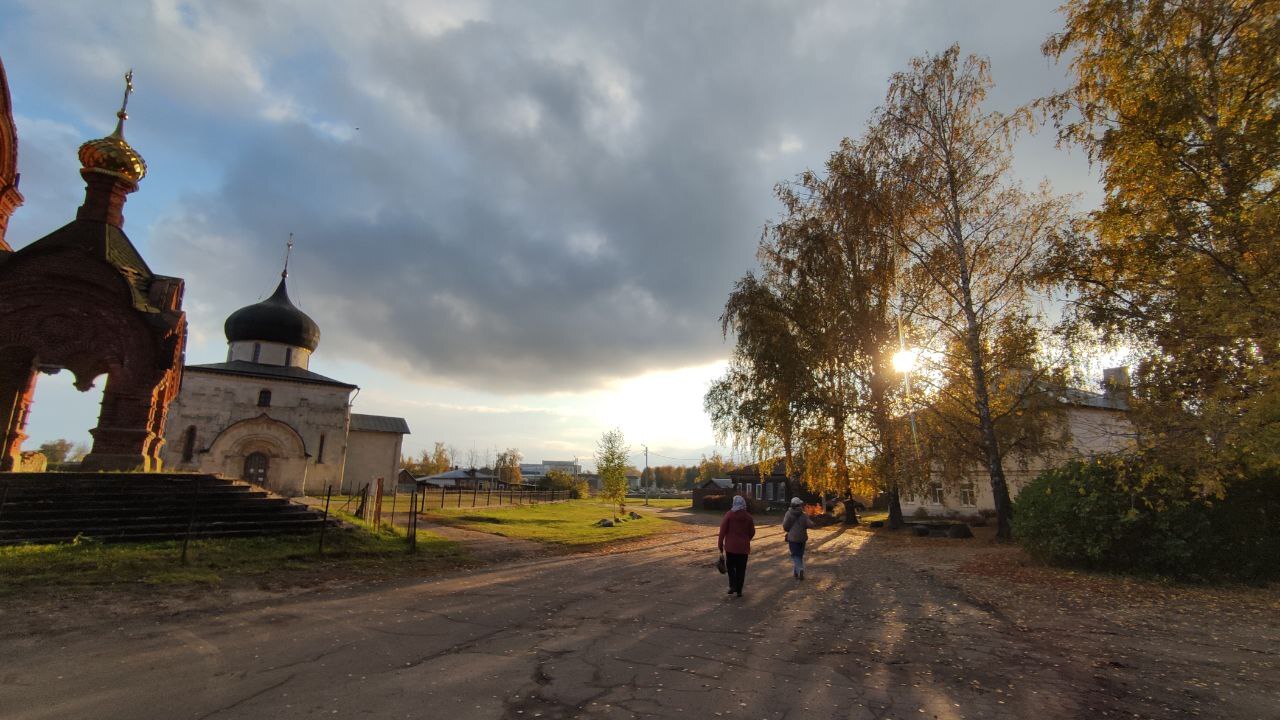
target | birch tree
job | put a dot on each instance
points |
(975, 241)
(612, 465)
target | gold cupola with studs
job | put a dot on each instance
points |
(112, 155)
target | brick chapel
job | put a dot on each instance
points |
(82, 299)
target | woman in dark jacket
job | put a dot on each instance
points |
(736, 530)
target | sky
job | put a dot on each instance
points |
(516, 223)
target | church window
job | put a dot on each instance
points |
(257, 351)
(320, 451)
(968, 495)
(189, 444)
(288, 356)
(264, 398)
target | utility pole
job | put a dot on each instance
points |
(646, 470)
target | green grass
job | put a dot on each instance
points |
(569, 523)
(209, 562)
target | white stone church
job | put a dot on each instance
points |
(264, 417)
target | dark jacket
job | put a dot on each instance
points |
(796, 524)
(736, 530)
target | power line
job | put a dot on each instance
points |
(668, 457)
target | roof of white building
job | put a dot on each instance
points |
(379, 423)
(272, 372)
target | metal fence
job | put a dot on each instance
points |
(432, 497)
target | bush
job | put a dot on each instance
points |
(725, 502)
(717, 502)
(1118, 514)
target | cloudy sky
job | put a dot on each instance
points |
(516, 223)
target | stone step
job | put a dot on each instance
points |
(73, 503)
(14, 492)
(164, 531)
(39, 510)
(148, 515)
(58, 507)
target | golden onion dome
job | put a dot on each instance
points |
(111, 155)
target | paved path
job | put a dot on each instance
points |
(644, 633)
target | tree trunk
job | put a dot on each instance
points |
(842, 463)
(850, 511)
(891, 467)
(787, 467)
(895, 508)
(987, 429)
(889, 462)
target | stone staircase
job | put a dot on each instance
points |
(132, 507)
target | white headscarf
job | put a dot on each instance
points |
(739, 503)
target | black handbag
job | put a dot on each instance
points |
(720, 566)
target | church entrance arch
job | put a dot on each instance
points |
(262, 450)
(255, 468)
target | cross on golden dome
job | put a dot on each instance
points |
(111, 155)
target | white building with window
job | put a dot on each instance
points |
(263, 416)
(1093, 424)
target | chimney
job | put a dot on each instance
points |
(1115, 382)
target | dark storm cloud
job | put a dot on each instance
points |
(538, 196)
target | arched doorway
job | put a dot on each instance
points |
(255, 468)
(261, 450)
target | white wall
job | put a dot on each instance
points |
(371, 455)
(212, 402)
(1091, 432)
(269, 353)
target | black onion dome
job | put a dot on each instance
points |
(274, 320)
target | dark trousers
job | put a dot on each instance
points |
(737, 565)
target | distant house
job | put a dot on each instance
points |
(774, 488)
(1093, 424)
(714, 486)
(717, 484)
(459, 478)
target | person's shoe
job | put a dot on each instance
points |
(801, 574)
(730, 591)
(739, 593)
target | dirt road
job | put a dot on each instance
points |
(648, 632)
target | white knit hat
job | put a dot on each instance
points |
(796, 502)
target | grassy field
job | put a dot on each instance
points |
(356, 550)
(570, 523)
